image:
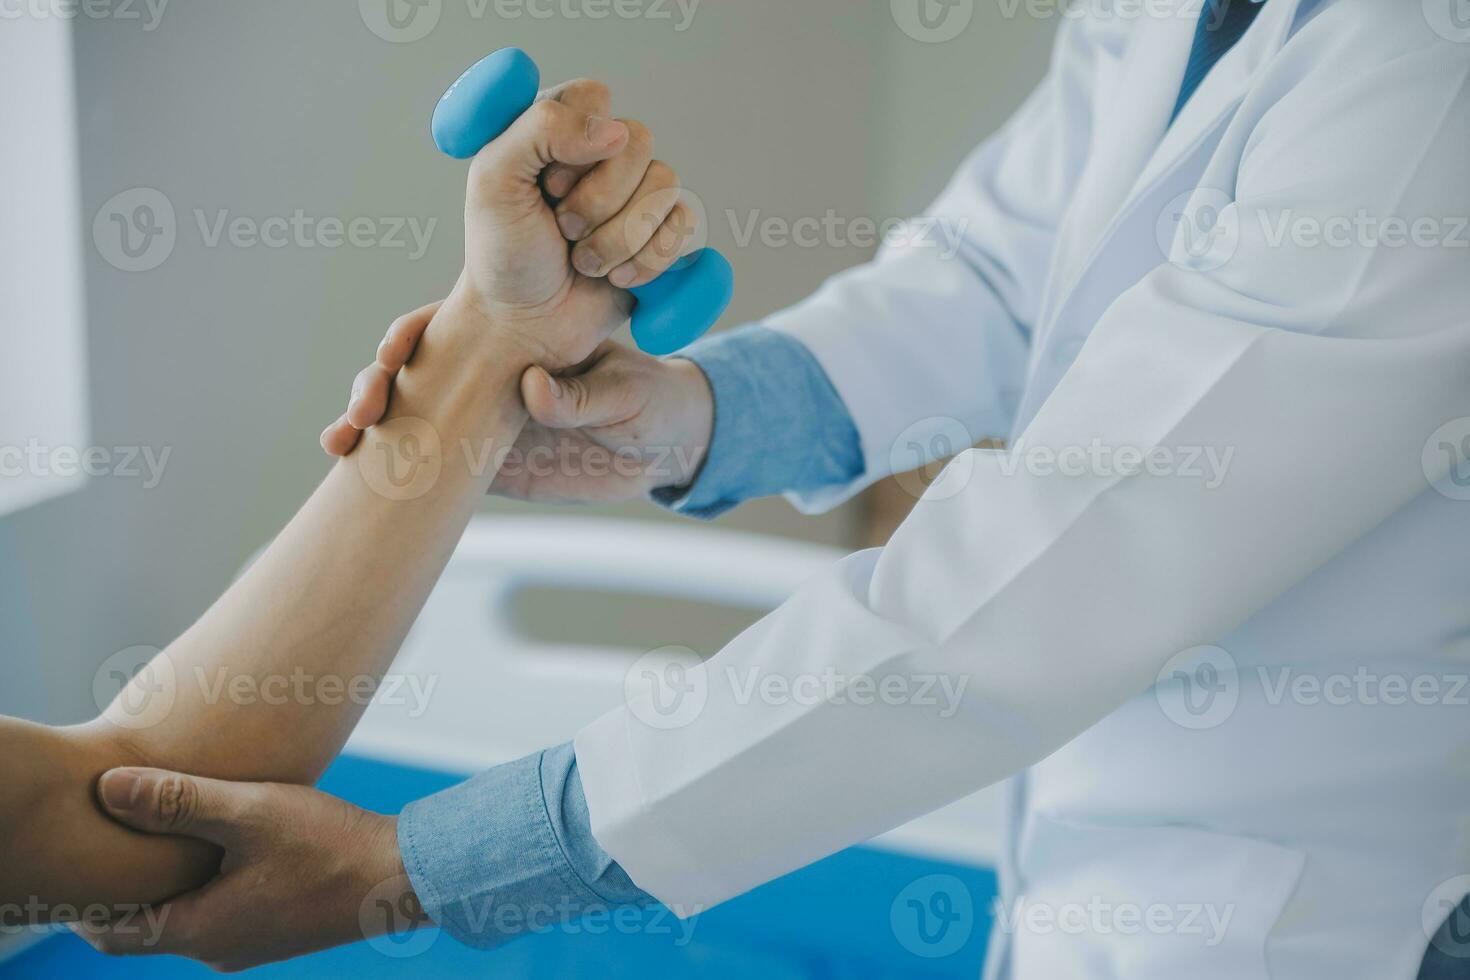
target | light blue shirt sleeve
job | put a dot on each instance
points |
(780, 425)
(511, 851)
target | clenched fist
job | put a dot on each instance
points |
(563, 212)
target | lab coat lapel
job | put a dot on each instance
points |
(1221, 90)
(1136, 145)
(1128, 128)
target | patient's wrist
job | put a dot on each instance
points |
(474, 336)
(465, 373)
(557, 335)
(487, 339)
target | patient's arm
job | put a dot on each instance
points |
(334, 594)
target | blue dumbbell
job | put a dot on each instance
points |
(676, 308)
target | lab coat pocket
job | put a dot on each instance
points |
(1145, 902)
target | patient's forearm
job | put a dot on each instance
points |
(332, 597)
(335, 593)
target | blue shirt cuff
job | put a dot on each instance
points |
(780, 426)
(511, 851)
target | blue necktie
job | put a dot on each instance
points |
(1221, 24)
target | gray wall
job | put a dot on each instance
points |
(234, 358)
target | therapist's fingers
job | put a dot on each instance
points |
(591, 97)
(601, 395)
(369, 399)
(373, 386)
(159, 802)
(339, 438)
(403, 337)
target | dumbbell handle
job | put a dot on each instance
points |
(672, 311)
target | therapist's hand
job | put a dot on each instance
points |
(301, 870)
(619, 426)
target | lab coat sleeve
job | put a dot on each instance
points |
(1324, 369)
(937, 327)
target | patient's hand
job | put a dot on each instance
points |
(617, 203)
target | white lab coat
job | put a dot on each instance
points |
(1320, 826)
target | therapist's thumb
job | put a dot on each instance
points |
(587, 400)
(160, 802)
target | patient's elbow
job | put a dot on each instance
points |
(65, 853)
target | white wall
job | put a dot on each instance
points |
(233, 359)
(938, 99)
(43, 370)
